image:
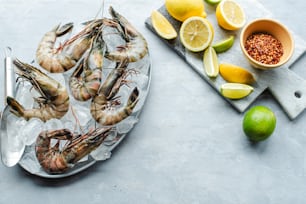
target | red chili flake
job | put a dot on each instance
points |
(264, 48)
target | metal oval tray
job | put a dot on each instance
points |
(28, 160)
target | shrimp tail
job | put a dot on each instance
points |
(126, 28)
(16, 108)
(133, 99)
(62, 30)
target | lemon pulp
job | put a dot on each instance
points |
(196, 33)
(162, 26)
(230, 15)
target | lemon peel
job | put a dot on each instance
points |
(183, 9)
(236, 74)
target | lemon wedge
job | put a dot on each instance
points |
(210, 61)
(230, 15)
(235, 90)
(162, 26)
(196, 33)
(236, 74)
(224, 45)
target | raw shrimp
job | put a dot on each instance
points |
(56, 60)
(54, 100)
(103, 107)
(55, 160)
(136, 46)
(86, 79)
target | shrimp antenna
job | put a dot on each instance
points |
(101, 10)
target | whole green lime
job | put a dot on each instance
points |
(259, 123)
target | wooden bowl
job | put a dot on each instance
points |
(274, 28)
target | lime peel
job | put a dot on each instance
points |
(235, 90)
(224, 45)
(210, 61)
(212, 2)
(259, 123)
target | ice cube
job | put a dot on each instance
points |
(69, 125)
(14, 133)
(85, 158)
(29, 160)
(126, 125)
(112, 38)
(31, 130)
(12, 144)
(101, 153)
(59, 77)
(142, 81)
(111, 139)
(53, 124)
(24, 96)
(81, 114)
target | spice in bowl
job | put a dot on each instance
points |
(264, 48)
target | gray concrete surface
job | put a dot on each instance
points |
(188, 146)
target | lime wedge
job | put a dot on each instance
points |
(210, 61)
(235, 90)
(212, 2)
(224, 45)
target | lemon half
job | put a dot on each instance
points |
(230, 15)
(196, 33)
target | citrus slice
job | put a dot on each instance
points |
(230, 15)
(196, 33)
(162, 26)
(224, 45)
(235, 90)
(210, 60)
(212, 2)
(236, 74)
